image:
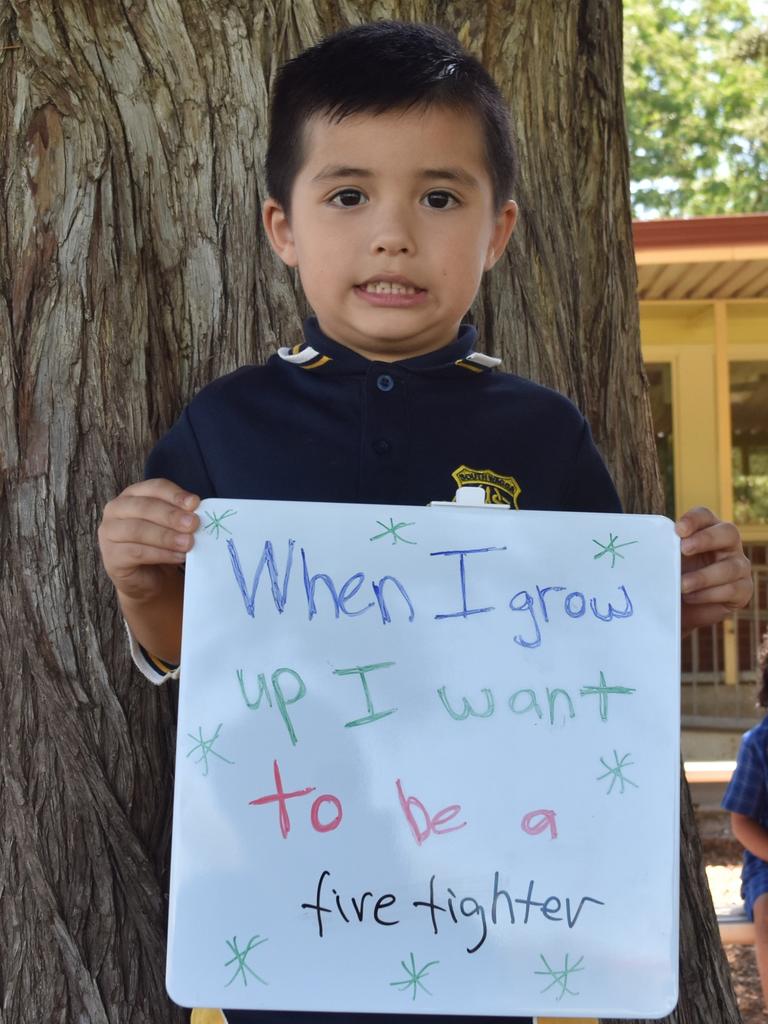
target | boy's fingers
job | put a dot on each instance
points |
(695, 519)
(716, 537)
(124, 534)
(729, 595)
(132, 556)
(166, 490)
(694, 616)
(136, 506)
(730, 571)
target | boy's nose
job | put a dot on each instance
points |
(392, 245)
(393, 238)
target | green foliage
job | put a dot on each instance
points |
(750, 499)
(750, 488)
(696, 82)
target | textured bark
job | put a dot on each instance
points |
(132, 272)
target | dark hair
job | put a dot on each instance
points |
(762, 662)
(377, 67)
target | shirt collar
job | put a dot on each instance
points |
(319, 351)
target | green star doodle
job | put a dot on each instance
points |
(240, 957)
(617, 772)
(414, 977)
(392, 531)
(612, 548)
(560, 977)
(206, 747)
(215, 524)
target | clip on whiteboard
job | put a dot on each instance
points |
(468, 497)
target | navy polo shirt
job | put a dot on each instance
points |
(322, 423)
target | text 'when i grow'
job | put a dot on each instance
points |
(388, 596)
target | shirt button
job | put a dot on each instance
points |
(385, 382)
(382, 446)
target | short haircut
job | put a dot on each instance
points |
(378, 67)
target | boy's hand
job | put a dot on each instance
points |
(144, 530)
(716, 574)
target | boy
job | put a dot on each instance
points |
(389, 167)
(747, 799)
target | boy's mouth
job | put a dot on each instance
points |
(390, 290)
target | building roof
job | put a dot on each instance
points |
(702, 257)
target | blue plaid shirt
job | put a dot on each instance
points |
(747, 791)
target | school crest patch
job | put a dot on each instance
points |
(499, 489)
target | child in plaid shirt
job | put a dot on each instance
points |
(747, 800)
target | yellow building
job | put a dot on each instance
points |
(703, 290)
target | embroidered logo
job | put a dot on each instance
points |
(499, 489)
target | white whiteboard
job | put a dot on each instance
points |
(483, 709)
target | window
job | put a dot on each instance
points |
(660, 381)
(749, 441)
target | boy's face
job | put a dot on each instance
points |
(392, 225)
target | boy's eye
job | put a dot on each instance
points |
(439, 200)
(348, 197)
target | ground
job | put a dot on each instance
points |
(722, 858)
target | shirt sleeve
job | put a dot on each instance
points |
(153, 669)
(177, 456)
(746, 791)
(590, 488)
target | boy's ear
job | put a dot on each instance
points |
(279, 232)
(502, 230)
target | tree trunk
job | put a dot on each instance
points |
(133, 271)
